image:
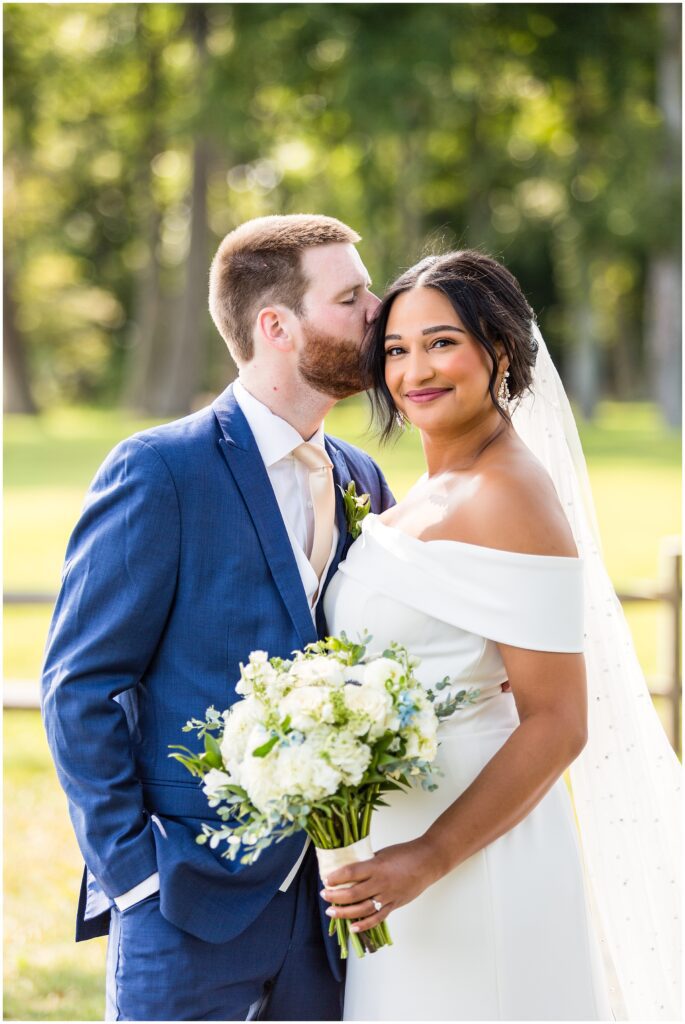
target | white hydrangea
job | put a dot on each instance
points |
(307, 707)
(239, 721)
(303, 772)
(348, 755)
(259, 676)
(260, 775)
(373, 705)
(212, 783)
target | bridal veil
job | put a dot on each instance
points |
(626, 783)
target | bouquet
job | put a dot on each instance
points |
(313, 745)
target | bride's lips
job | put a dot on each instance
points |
(426, 394)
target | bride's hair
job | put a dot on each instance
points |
(491, 306)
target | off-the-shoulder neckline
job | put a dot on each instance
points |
(478, 548)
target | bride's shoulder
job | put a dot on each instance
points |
(515, 508)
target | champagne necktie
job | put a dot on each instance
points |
(322, 491)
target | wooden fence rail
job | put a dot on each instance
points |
(668, 685)
(668, 591)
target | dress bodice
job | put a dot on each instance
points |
(450, 603)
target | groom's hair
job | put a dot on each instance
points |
(260, 263)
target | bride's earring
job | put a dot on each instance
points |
(503, 392)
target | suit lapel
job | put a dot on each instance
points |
(240, 451)
(341, 478)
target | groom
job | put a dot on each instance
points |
(200, 541)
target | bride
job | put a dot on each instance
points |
(496, 912)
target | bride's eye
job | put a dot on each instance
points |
(394, 351)
(443, 341)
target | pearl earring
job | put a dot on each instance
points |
(503, 392)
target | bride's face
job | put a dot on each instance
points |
(436, 372)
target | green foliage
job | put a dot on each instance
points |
(357, 506)
(528, 130)
(347, 651)
(46, 976)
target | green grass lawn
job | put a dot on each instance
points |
(47, 977)
(635, 472)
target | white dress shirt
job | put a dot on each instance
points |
(289, 478)
(275, 439)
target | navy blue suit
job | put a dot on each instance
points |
(179, 565)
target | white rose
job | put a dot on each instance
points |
(213, 781)
(426, 723)
(353, 673)
(377, 672)
(422, 737)
(307, 706)
(373, 703)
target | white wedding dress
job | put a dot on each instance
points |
(508, 934)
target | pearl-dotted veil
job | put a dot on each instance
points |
(626, 783)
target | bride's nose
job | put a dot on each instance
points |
(418, 368)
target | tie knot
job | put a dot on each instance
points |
(313, 456)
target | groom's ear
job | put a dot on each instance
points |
(272, 325)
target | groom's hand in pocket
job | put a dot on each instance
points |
(393, 877)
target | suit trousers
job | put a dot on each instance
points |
(277, 969)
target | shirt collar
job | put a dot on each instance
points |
(275, 438)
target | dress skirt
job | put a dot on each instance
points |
(506, 935)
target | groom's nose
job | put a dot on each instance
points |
(372, 305)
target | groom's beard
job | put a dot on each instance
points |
(331, 365)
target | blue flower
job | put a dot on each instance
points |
(406, 709)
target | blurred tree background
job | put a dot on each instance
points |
(138, 134)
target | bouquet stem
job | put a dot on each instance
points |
(333, 854)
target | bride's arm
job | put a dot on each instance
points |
(550, 695)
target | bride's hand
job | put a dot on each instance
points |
(393, 877)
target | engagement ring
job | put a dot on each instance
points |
(377, 905)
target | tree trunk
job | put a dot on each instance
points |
(663, 309)
(583, 360)
(187, 353)
(663, 302)
(145, 356)
(17, 389)
(145, 353)
(187, 356)
(581, 356)
(408, 181)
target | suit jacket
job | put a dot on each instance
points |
(179, 566)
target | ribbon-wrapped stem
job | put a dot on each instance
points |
(329, 859)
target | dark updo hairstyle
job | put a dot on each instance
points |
(491, 306)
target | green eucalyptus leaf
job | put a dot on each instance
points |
(265, 748)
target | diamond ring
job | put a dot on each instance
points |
(377, 905)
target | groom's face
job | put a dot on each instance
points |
(338, 307)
